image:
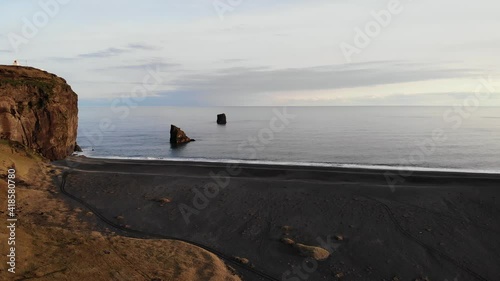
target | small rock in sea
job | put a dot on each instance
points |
(77, 148)
(177, 136)
(221, 119)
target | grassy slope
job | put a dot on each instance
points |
(54, 243)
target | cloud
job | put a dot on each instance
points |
(244, 81)
(418, 99)
(62, 59)
(233, 60)
(106, 53)
(139, 46)
(149, 65)
(439, 99)
(110, 52)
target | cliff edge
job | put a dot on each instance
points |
(39, 110)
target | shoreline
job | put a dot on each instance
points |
(334, 167)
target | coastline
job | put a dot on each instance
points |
(440, 225)
(339, 167)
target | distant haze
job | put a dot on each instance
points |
(258, 52)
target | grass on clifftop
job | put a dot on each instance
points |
(45, 86)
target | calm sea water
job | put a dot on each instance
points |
(425, 137)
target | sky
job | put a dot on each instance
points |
(261, 52)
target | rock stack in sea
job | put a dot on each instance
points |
(221, 119)
(78, 148)
(177, 136)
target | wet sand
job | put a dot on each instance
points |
(444, 226)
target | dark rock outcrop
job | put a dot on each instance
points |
(221, 119)
(39, 110)
(177, 136)
(78, 148)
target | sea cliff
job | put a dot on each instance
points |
(39, 110)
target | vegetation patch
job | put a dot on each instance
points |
(44, 86)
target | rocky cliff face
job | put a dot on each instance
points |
(39, 110)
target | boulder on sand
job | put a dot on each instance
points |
(177, 136)
(316, 253)
(221, 119)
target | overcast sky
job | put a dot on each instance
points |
(261, 52)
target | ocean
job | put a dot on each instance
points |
(423, 138)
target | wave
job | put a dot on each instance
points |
(305, 164)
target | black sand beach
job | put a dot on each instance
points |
(443, 226)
